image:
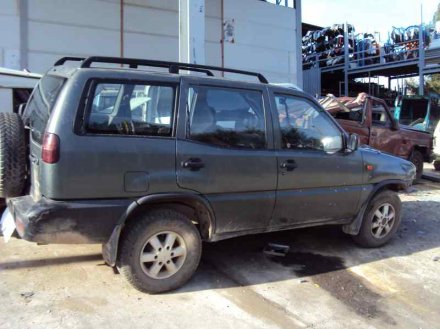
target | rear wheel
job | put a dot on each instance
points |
(12, 155)
(381, 220)
(437, 165)
(417, 159)
(159, 252)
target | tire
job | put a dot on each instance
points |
(138, 238)
(368, 236)
(12, 155)
(417, 159)
(437, 165)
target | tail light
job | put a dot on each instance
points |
(51, 148)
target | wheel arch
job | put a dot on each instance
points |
(424, 150)
(390, 185)
(194, 206)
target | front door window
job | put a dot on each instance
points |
(304, 126)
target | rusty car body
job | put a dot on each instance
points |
(371, 119)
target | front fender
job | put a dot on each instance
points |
(367, 194)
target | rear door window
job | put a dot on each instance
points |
(40, 105)
(305, 126)
(230, 118)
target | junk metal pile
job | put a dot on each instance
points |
(326, 47)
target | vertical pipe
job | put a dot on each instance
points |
(121, 28)
(346, 65)
(222, 40)
(421, 55)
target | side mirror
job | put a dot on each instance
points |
(394, 124)
(352, 143)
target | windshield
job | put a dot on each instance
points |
(40, 105)
(413, 110)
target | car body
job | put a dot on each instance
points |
(371, 119)
(219, 151)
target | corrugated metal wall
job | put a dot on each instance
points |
(312, 81)
(37, 32)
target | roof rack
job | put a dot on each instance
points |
(62, 60)
(173, 67)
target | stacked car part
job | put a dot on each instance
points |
(325, 47)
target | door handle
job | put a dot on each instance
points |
(193, 164)
(289, 165)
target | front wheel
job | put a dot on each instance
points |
(437, 165)
(159, 252)
(381, 220)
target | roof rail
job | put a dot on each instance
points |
(173, 67)
(62, 60)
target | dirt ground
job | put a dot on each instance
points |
(325, 281)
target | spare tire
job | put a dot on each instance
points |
(12, 155)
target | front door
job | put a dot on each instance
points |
(317, 181)
(382, 136)
(226, 153)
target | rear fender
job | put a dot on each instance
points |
(201, 207)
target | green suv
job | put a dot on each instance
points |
(150, 164)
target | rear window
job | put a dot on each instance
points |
(40, 105)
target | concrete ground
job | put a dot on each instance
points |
(325, 281)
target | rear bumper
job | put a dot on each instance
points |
(49, 221)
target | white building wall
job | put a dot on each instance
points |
(9, 34)
(264, 34)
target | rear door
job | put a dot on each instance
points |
(225, 151)
(317, 181)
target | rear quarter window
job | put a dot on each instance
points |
(144, 109)
(40, 105)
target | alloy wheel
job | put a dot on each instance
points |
(163, 255)
(383, 220)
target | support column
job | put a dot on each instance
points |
(299, 66)
(421, 62)
(346, 58)
(23, 17)
(121, 29)
(192, 31)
